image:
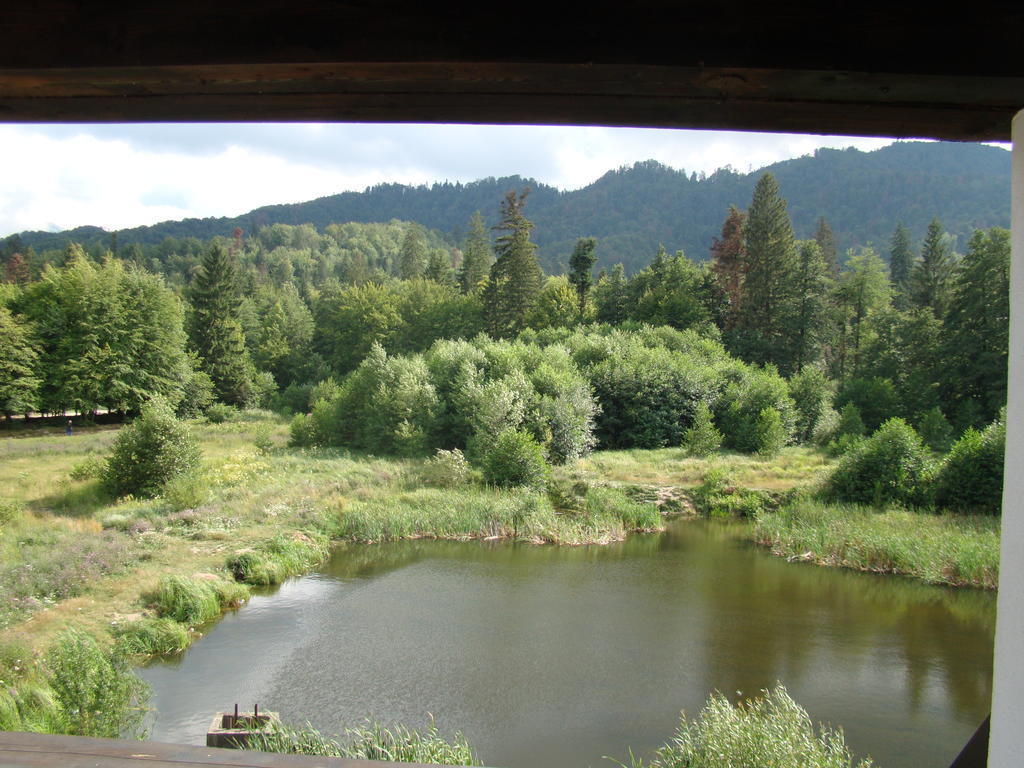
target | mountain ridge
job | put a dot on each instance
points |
(634, 209)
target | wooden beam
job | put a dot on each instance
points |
(856, 103)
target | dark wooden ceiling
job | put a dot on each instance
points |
(893, 70)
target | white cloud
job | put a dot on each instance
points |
(116, 176)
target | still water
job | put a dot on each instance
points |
(548, 656)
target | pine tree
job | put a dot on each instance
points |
(863, 289)
(476, 256)
(611, 296)
(932, 275)
(901, 257)
(826, 241)
(760, 332)
(216, 330)
(413, 259)
(580, 265)
(439, 267)
(729, 262)
(807, 309)
(515, 279)
(977, 339)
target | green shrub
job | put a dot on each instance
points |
(95, 692)
(9, 512)
(197, 394)
(891, 466)
(89, 468)
(149, 452)
(262, 438)
(850, 422)
(446, 469)
(770, 434)
(218, 413)
(935, 430)
(303, 431)
(812, 395)
(826, 428)
(702, 438)
(769, 730)
(970, 479)
(186, 491)
(515, 459)
(150, 637)
(876, 400)
(717, 497)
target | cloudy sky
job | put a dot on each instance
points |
(61, 176)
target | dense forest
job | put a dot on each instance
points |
(633, 210)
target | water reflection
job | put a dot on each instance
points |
(558, 656)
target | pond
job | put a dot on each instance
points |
(548, 656)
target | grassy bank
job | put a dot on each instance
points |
(938, 549)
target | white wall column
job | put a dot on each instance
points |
(1006, 743)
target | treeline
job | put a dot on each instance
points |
(263, 319)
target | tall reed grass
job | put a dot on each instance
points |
(956, 550)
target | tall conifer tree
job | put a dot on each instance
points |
(413, 259)
(932, 275)
(476, 256)
(760, 332)
(216, 330)
(901, 258)
(580, 265)
(516, 276)
(826, 241)
(729, 262)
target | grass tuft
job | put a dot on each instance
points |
(371, 741)
(769, 730)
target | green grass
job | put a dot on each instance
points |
(152, 637)
(794, 466)
(273, 561)
(768, 730)
(371, 741)
(938, 549)
(193, 601)
(478, 512)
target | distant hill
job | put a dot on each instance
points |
(633, 210)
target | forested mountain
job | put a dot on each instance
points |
(864, 195)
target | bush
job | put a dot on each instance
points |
(702, 438)
(890, 466)
(850, 422)
(876, 400)
(446, 469)
(89, 468)
(515, 459)
(935, 430)
(149, 452)
(826, 428)
(970, 479)
(303, 431)
(218, 413)
(770, 434)
(197, 394)
(96, 694)
(812, 395)
(716, 497)
(186, 491)
(770, 730)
